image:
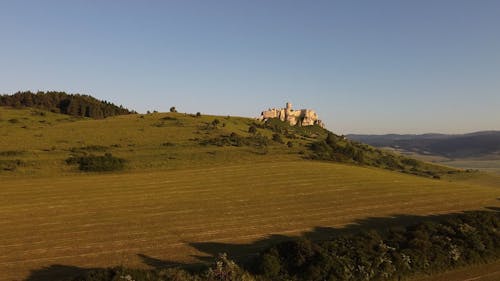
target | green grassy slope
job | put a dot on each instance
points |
(35, 142)
(155, 141)
(176, 194)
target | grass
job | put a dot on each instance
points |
(104, 220)
(46, 141)
(486, 272)
(173, 198)
(489, 165)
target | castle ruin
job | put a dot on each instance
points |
(303, 117)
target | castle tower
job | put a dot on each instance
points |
(288, 106)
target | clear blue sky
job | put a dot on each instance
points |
(365, 66)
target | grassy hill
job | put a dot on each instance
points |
(36, 142)
(191, 187)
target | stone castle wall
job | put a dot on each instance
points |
(303, 117)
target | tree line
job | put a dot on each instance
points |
(62, 102)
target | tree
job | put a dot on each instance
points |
(198, 114)
(252, 130)
(277, 138)
(61, 102)
(215, 123)
(173, 110)
(331, 140)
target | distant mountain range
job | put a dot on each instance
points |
(478, 144)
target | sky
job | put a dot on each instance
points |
(365, 66)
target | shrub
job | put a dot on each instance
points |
(252, 129)
(277, 138)
(90, 148)
(93, 163)
(173, 109)
(225, 269)
(236, 140)
(10, 165)
(339, 149)
(168, 118)
(289, 144)
(198, 114)
(410, 162)
(215, 122)
(393, 254)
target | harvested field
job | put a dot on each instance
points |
(183, 216)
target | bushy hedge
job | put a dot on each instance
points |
(234, 139)
(426, 247)
(93, 163)
(339, 149)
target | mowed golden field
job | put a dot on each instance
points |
(183, 202)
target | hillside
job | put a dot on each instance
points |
(477, 144)
(54, 143)
(61, 102)
(57, 226)
(175, 188)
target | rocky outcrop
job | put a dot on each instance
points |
(303, 117)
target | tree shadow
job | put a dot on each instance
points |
(244, 253)
(158, 263)
(57, 272)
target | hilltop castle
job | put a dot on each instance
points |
(303, 117)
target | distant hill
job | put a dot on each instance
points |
(476, 144)
(61, 102)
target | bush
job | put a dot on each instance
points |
(339, 149)
(10, 165)
(93, 163)
(277, 138)
(215, 122)
(234, 139)
(410, 162)
(252, 129)
(173, 109)
(394, 254)
(90, 148)
(198, 114)
(225, 269)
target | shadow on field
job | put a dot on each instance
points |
(159, 264)
(57, 272)
(243, 253)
